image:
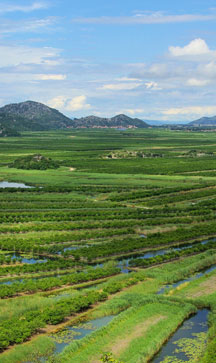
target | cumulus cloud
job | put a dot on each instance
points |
(195, 47)
(77, 103)
(208, 69)
(190, 110)
(5, 8)
(150, 18)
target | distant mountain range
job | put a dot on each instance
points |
(204, 121)
(119, 121)
(35, 116)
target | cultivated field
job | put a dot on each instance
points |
(106, 256)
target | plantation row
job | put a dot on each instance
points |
(62, 190)
(17, 204)
(82, 225)
(35, 243)
(16, 331)
(48, 283)
(181, 197)
(133, 195)
(153, 240)
(51, 265)
(100, 214)
(139, 262)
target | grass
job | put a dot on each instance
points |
(155, 321)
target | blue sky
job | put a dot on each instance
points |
(149, 59)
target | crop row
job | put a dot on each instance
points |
(133, 195)
(88, 214)
(48, 283)
(31, 241)
(40, 204)
(16, 331)
(153, 240)
(50, 265)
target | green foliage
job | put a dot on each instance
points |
(32, 162)
(108, 357)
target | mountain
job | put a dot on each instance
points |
(33, 116)
(119, 121)
(6, 132)
(204, 121)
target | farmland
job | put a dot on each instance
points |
(123, 229)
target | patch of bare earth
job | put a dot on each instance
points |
(139, 330)
(205, 288)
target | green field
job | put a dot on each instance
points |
(138, 201)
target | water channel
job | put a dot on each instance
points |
(5, 184)
(66, 336)
(185, 341)
(194, 277)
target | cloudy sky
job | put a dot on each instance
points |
(150, 59)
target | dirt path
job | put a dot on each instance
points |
(205, 288)
(139, 330)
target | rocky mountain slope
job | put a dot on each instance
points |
(35, 116)
(119, 121)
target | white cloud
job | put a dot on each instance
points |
(120, 86)
(33, 25)
(208, 69)
(127, 79)
(191, 110)
(15, 55)
(57, 102)
(133, 111)
(152, 86)
(151, 18)
(5, 8)
(194, 82)
(70, 104)
(77, 103)
(51, 77)
(195, 47)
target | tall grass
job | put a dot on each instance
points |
(122, 328)
(41, 347)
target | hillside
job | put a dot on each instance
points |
(7, 132)
(204, 121)
(119, 121)
(33, 116)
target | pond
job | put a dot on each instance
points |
(187, 342)
(5, 184)
(65, 337)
